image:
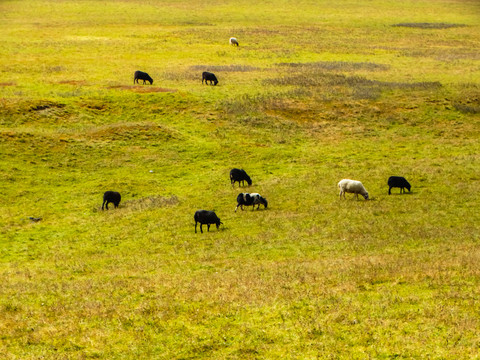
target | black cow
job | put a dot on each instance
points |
(398, 182)
(239, 175)
(250, 200)
(206, 217)
(140, 75)
(208, 76)
(111, 197)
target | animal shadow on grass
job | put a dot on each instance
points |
(213, 228)
(397, 193)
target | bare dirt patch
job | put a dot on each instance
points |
(141, 89)
(8, 84)
(73, 82)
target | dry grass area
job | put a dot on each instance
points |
(317, 91)
(429, 25)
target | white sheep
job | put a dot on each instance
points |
(352, 186)
(233, 41)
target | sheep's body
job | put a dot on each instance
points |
(252, 199)
(398, 182)
(208, 76)
(233, 41)
(140, 75)
(352, 186)
(205, 217)
(111, 197)
(239, 175)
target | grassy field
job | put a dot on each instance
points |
(316, 92)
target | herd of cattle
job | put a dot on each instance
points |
(206, 217)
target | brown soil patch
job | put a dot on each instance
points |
(8, 84)
(141, 89)
(73, 82)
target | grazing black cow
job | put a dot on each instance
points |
(206, 217)
(111, 197)
(398, 182)
(208, 76)
(140, 75)
(239, 175)
(250, 200)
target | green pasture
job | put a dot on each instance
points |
(316, 92)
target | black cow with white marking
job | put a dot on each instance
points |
(252, 199)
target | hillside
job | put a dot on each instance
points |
(316, 91)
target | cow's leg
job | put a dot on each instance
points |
(195, 227)
(208, 227)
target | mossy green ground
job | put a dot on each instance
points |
(316, 92)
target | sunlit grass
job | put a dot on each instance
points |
(317, 91)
